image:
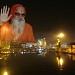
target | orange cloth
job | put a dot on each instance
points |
(13, 10)
(6, 33)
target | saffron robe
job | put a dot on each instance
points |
(6, 33)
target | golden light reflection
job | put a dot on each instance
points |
(72, 57)
(0, 57)
(59, 62)
(5, 73)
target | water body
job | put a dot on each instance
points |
(46, 63)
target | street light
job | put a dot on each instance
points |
(61, 35)
(58, 41)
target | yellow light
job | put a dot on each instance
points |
(58, 60)
(58, 40)
(5, 73)
(61, 61)
(0, 57)
(61, 35)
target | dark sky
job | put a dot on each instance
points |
(48, 18)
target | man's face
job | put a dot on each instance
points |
(20, 13)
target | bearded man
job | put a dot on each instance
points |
(17, 28)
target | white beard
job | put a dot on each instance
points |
(18, 26)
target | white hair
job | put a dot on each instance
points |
(18, 26)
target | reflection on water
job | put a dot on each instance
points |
(71, 56)
(46, 62)
(44, 53)
(5, 72)
(59, 60)
(4, 57)
(3, 61)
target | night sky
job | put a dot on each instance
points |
(48, 18)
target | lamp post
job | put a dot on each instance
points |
(59, 42)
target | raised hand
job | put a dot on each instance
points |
(4, 14)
